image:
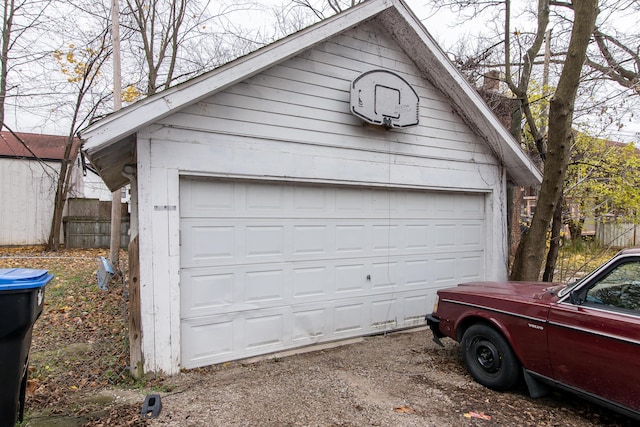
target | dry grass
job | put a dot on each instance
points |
(79, 345)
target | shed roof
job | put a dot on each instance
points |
(109, 143)
(23, 145)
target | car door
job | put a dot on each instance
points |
(594, 335)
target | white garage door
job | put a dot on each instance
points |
(272, 266)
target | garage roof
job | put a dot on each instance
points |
(110, 143)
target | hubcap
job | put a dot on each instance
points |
(487, 356)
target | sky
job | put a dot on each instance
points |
(445, 26)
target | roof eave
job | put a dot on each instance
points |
(411, 35)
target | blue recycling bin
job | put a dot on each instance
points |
(21, 301)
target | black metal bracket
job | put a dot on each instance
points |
(151, 407)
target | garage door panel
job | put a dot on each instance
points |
(264, 331)
(349, 278)
(418, 207)
(444, 270)
(471, 268)
(310, 282)
(469, 207)
(226, 288)
(264, 240)
(350, 202)
(208, 341)
(265, 286)
(310, 240)
(414, 309)
(384, 275)
(416, 273)
(218, 338)
(387, 237)
(471, 235)
(206, 293)
(417, 237)
(385, 203)
(351, 238)
(311, 201)
(309, 325)
(348, 318)
(384, 313)
(204, 243)
(199, 199)
(210, 241)
(445, 236)
(267, 267)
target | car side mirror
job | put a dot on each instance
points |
(575, 298)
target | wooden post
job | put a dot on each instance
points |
(135, 332)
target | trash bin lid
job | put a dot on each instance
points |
(23, 278)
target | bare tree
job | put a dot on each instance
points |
(531, 251)
(82, 66)
(8, 14)
(324, 8)
(611, 55)
(170, 35)
(158, 24)
(521, 89)
(20, 18)
(624, 69)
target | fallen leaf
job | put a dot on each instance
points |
(32, 385)
(480, 415)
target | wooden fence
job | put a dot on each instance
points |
(617, 235)
(88, 224)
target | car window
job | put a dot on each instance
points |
(619, 289)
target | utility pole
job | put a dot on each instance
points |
(116, 208)
(134, 314)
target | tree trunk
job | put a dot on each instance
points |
(515, 228)
(554, 244)
(62, 191)
(7, 23)
(530, 255)
(575, 228)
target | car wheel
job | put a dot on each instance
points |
(489, 358)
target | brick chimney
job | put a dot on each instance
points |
(491, 82)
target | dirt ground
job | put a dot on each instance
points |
(78, 374)
(398, 379)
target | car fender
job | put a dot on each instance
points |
(522, 334)
(479, 316)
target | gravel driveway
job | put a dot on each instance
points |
(398, 379)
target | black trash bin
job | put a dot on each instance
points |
(21, 300)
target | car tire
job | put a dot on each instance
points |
(489, 358)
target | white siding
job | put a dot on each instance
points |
(27, 189)
(306, 100)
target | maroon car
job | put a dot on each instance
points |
(583, 337)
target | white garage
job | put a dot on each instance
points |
(266, 267)
(320, 188)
